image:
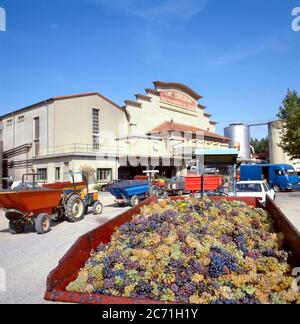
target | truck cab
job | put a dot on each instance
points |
(297, 168)
(281, 177)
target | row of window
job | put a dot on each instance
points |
(10, 121)
(95, 126)
(103, 175)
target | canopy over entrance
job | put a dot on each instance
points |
(218, 156)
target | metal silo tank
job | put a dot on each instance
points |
(239, 135)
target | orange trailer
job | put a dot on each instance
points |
(30, 206)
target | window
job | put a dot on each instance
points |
(9, 122)
(21, 119)
(96, 130)
(104, 175)
(57, 174)
(42, 174)
(266, 187)
(251, 187)
(291, 172)
(279, 173)
(96, 142)
(36, 136)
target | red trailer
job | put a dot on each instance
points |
(70, 265)
(194, 183)
(179, 186)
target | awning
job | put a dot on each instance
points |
(218, 156)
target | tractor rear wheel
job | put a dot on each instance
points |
(42, 224)
(74, 209)
(16, 227)
(97, 208)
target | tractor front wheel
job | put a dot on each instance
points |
(16, 227)
(42, 224)
(74, 209)
(97, 208)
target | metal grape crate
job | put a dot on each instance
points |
(75, 259)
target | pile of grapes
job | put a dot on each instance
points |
(194, 251)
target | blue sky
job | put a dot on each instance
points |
(241, 55)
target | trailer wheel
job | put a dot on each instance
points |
(74, 209)
(180, 193)
(42, 223)
(16, 227)
(97, 208)
(134, 201)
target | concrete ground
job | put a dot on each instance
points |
(28, 258)
(289, 202)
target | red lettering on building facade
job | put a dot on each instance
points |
(178, 99)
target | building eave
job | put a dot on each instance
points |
(133, 103)
(179, 86)
(52, 100)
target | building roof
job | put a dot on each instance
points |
(179, 86)
(171, 126)
(51, 100)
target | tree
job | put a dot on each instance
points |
(260, 146)
(289, 114)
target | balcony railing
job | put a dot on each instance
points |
(78, 148)
(141, 148)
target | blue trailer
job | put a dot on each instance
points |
(129, 192)
(281, 177)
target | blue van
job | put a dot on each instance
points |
(280, 177)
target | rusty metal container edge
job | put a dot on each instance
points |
(78, 254)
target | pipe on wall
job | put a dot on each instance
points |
(47, 126)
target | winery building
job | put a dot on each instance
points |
(152, 131)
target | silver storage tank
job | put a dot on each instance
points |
(239, 135)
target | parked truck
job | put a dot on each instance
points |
(281, 177)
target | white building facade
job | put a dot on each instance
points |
(277, 155)
(64, 133)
